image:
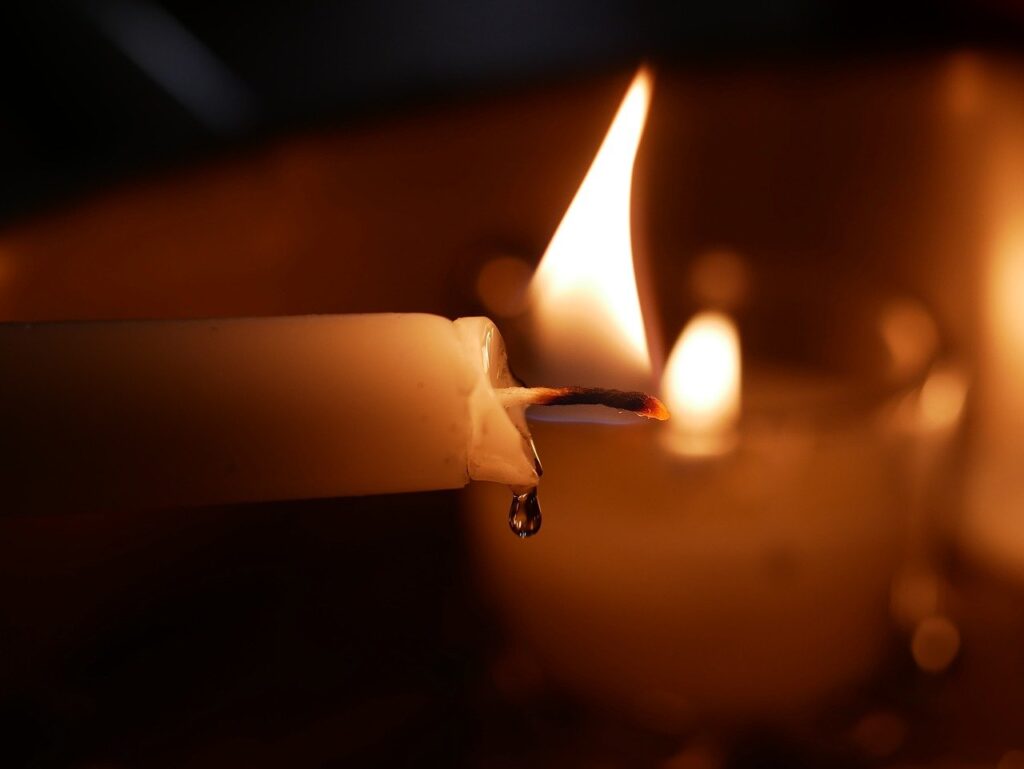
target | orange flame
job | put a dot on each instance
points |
(701, 385)
(585, 300)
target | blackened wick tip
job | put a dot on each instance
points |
(639, 403)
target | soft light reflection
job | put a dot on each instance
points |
(910, 336)
(935, 644)
(1007, 287)
(586, 304)
(994, 528)
(964, 84)
(720, 279)
(942, 398)
(501, 286)
(701, 385)
(915, 595)
(880, 734)
(1005, 279)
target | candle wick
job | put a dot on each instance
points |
(639, 403)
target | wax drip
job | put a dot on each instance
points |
(536, 459)
(524, 516)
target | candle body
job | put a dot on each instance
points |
(161, 413)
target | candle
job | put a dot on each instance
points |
(734, 568)
(118, 414)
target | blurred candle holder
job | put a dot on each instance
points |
(747, 578)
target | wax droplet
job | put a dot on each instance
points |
(524, 517)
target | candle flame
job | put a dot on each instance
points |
(584, 293)
(701, 385)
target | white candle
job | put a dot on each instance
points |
(114, 414)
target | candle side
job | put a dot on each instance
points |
(150, 414)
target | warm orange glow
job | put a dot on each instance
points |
(586, 304)
(994, 528)
(935, 644)
(942, 398)
(916, 595)
(701, 385)
(1004, 319)
(964, 91)
(910, 335)
(501, 286)
(720, 278)
(1007, 288)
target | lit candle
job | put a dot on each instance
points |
(734, 568)
(161, 413)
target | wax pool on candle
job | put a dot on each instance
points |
(161, 413)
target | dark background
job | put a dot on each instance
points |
(99, 89)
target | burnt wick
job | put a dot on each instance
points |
(639, 403)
